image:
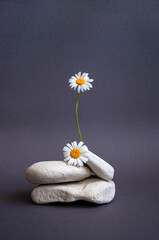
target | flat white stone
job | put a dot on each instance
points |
(55, 172)
(91, 189)
(100, 167)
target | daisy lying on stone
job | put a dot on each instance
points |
(75, 154)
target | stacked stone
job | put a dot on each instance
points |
(60, 182)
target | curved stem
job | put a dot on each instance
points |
(77, 118)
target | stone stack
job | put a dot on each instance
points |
(60, 182)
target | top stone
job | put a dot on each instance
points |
(100, 167)
(55, 172)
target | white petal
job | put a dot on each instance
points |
(83, 75)
(86, 87)
(89, 84)
(82, 89)
(80, 145)
(66, 154)
(79, 162)
(75, 87)
(75, 162)
(83, 149)
(71, 80)
(75, 144)
(85, 154)
(72, 145)
(90, 80)
(79, 74)
(79, 88)
(86, 75)
(72, 85)
(67, 158)
(71, 161)
(83, 159)
(69, 145)
(66, 149)
(73, 77)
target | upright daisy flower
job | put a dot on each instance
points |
(74, 153)
(81, 82)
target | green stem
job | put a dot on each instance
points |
(77, 118)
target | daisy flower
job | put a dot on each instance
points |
(81, 82)
(74, 154)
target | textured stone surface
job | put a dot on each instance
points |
(100, 167)
(55, 172)
(92, 189)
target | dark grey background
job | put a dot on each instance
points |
(42, 44)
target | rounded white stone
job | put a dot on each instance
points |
(92, 189)
(55, 172)
(100, 167)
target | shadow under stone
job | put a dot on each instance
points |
(78, 204)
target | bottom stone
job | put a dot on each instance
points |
(91, 189)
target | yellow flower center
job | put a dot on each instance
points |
(75, 153)
(80, 81)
